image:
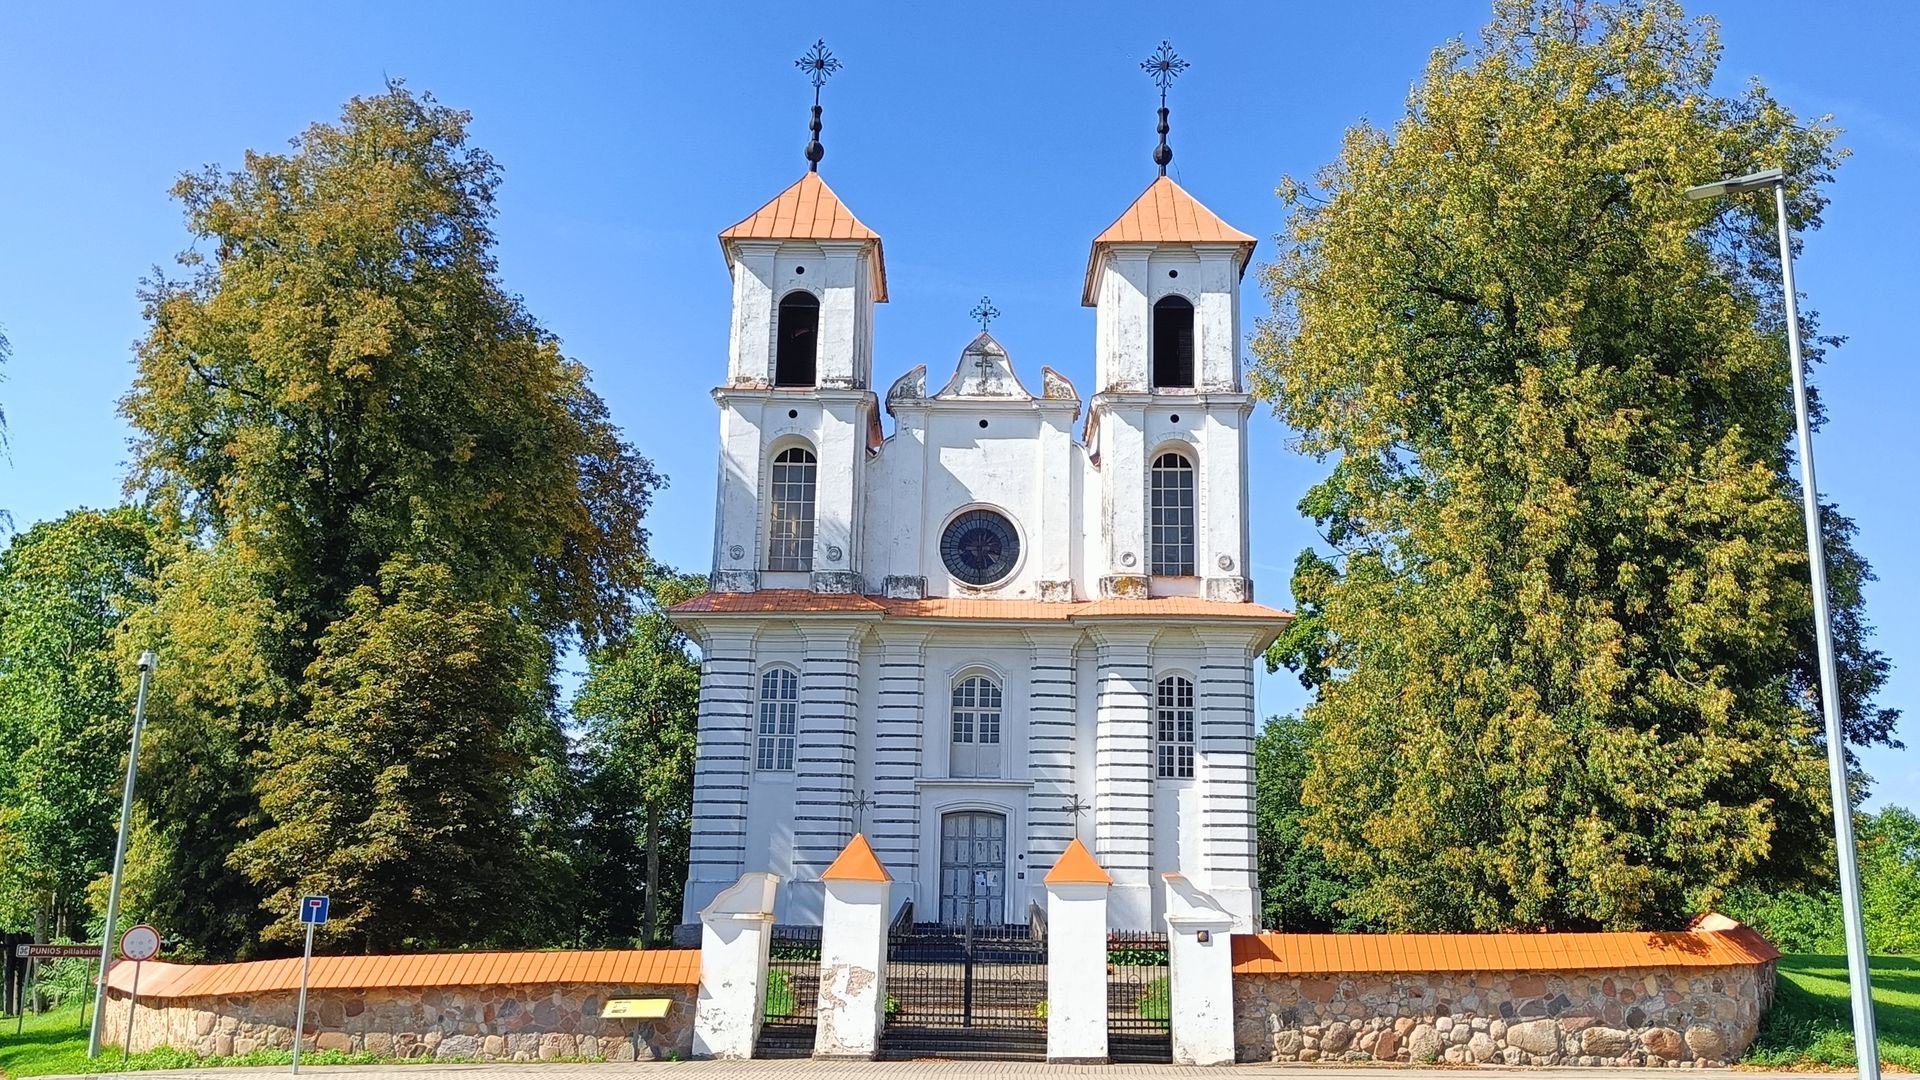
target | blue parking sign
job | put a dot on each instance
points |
(313, 909)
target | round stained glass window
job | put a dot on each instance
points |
(980, 547)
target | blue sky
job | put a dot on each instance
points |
(988, 143)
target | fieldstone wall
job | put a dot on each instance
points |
(484, 1023)
(1692, 1017)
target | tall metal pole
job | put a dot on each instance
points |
(300, 1009)
(107, 934)
(1859, 978)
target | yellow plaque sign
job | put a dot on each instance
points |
(635, 1008)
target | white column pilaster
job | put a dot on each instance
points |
(1123, 769)
(899, 717)
(1051, 723)
(723, 764)
(824, 761)
(1226, 736)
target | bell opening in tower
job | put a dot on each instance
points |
(798, 333)
(1173, 343)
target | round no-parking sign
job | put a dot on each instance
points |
(140, 942)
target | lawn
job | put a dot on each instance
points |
(1810, 1024)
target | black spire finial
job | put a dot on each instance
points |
(984, 312)
(818, 63)
(1163, 66)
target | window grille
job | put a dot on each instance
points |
(790, 519)
(1171, 518)
(1173, 729)
(976, 728)
(779, 719)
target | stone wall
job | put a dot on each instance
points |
(1685, 1016)
(488, 1023)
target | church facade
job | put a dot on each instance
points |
(978, 616)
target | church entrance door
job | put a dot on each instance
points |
(973, 868)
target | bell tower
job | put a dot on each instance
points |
(797, 411)
(1168, 421)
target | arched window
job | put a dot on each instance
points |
(1170, 515)
(1173, 729)
(1172, 342)
(779, 719)
(976, 728)
(798, 336)
(790, 518)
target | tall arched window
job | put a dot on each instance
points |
(779, 719)
(976, 728)
(1173, 342)
(798, 336)
(1170, 515)
(790, 517)
(1173, 729)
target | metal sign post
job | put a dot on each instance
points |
(313, 912)
(139, 944)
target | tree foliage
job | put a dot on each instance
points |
(1301, 890)
(1562, 643)
(65, 586)
(1809, 920)
(404, 502)
(638, 712)
(395, 794)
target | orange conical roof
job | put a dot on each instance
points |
(1166, 214)
(809, 210)
(1077, 867)
(857, 862)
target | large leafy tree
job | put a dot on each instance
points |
(395, 794)
(638, 711)
(1562, 639)
(65, 586)
(338, 391)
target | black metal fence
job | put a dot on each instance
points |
(941, 976)
(1139, 987)
(793, 988)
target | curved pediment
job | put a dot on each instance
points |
(984, 371)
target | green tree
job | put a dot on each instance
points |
(340, 390)
(342, 378)
(395, 795)
(1809, 920)
(65, 586)
(1300, 889)
(638, 712)
(1562, 642)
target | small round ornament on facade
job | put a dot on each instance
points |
(1128, 559)
(736, 552)
(1226, 562)
(833, 553)
(980, 547)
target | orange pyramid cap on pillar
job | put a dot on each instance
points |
(857, 862)
(1077, 867)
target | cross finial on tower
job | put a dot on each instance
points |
(819, 63)
(1163, 67)
(984, 312)
(859, 804)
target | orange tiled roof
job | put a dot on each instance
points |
(1329, 954)
(1166, 214)
(627, 967)
(857, 862)
(1077, 866)
(801, 601)
(809, 210)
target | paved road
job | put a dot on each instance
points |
(915, 1070)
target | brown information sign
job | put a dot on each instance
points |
(57, 952)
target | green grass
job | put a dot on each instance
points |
(1157, 1002)
(56, 1043)
(779, 994)
(1811, 1024)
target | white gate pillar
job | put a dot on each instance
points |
(1200, 970)
(1077, 957)
(853, 954)
(736, 931)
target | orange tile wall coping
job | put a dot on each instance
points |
(1358, 954)
(628, 967)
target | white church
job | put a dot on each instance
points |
(980, 615)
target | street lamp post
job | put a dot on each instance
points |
(119, 857)
(1860, 981)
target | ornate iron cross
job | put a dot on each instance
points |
(984, 312)
(819, 63)
(1163, 67)
(860, 804)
